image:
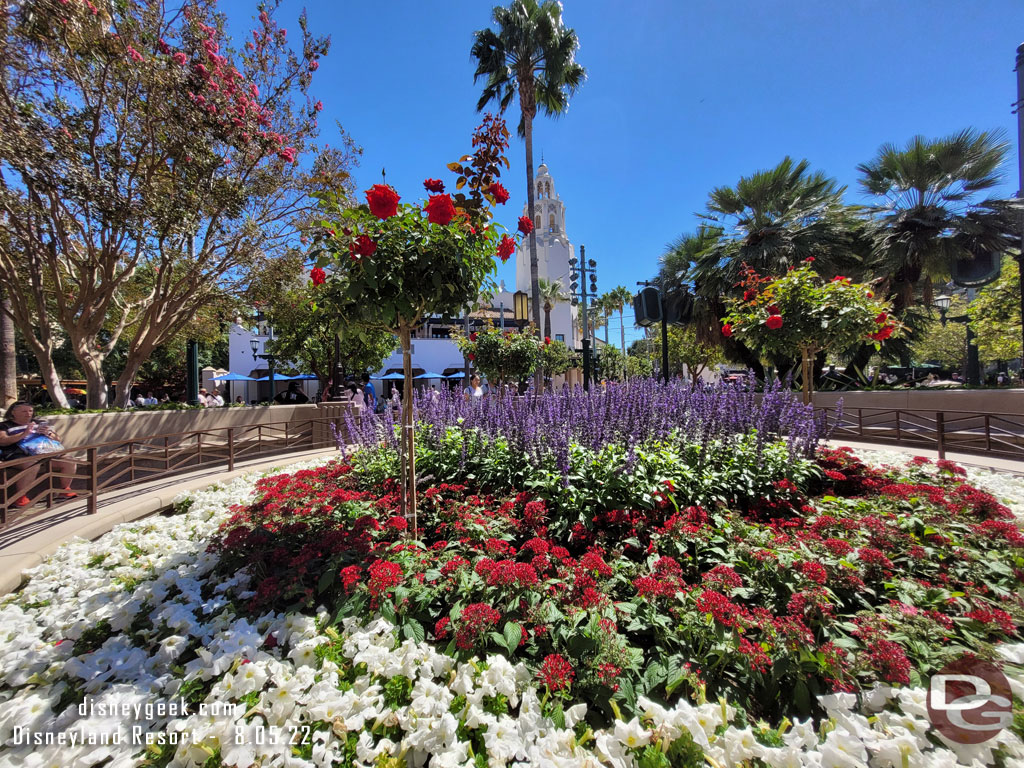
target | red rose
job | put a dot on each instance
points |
(318, 276)
(506, 247)
(773, 309)
(774, 322)
(472, 336)
(383, 201)
(471, 356)
(882, 334)
(439, 210)
(547, 340)
(525, 225)
(882, 317)
(870, 295)
(839, 278)
(364, 246)
(809, 259)
(433, 185)
(727, 330)
(749, 295)
(498, 192)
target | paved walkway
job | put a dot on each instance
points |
(994, 463)
(30, 540)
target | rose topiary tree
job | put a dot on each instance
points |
(802, 312)
(394, 264)
(556, 357)
(503, 357)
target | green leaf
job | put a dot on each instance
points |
(414, 631)
(326, 580)
(513, 636)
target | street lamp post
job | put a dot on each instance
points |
(270, 365)
(1019, 109)
(578, 272)
(973, 373)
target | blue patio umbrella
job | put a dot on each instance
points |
(430, 375)
(391, 377)
(233, 377)
(304, 377)
(456, 376)
(277, 377)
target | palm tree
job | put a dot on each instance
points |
(618, 298)
(929, 215)
(774, 219)
(602, 310)
(551, 293)
(532, 55)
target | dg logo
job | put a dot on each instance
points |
(970, 701)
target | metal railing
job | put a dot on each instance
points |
(87, 471)
(990, 434)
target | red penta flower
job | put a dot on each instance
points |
(525, 225)
(881, 318)
(556, 673)
(498, 192)
(439, 209)
(318, 276)
(749, 295)
(870, 295)
(383, 201)
(433, 185)
(809, 260)
(506, 247)
(472, 336)
(882, 334)
(727, 330)
(774, 322)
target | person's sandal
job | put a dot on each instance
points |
(24, 501)
(68, 495)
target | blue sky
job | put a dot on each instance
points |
(681, 96)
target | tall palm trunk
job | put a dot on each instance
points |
(8, 359)
(622, 329)
(547, 320)
(538, 376)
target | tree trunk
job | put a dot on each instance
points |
(547, 320)
(96, 384)
(8, 357)
(538, 376)
(622, 329)
(807, 373)
(408, 436)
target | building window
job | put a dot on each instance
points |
(551, 222)
(560, 337)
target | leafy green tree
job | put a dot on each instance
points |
(995, 316)
(532, 55)
(146, 167)
(945, 346)
(556, 358)
(504, 357)
(394, 264)
(306, 323)
(610, 363)
(800, 312)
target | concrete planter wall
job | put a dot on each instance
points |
(94, 428)
(973, 401)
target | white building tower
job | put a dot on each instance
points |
(553, 253)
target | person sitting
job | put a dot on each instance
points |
(293, 396)
(21, 436)
(140, 400)
(204, 398)
(239, 400)
(151, 398)
(215, 400)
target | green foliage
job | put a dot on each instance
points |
(815, 315)
(504, 357)
(556, 358)
(306, 320)
(995, 315)
(609, 363)
(945, 346)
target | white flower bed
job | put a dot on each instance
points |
(151, 582)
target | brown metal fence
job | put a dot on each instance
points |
(87, 471)
(991, 434)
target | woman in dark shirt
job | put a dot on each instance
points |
(17, 425)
